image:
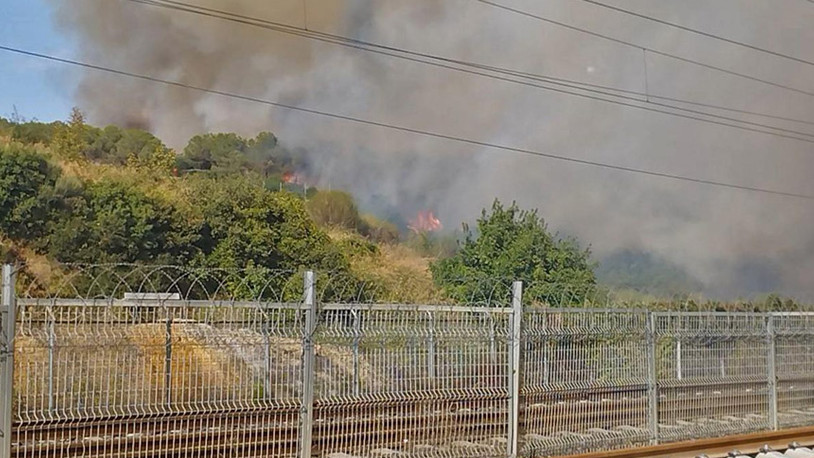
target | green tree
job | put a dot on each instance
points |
(161, 160)
(26, 178)
(33, 132)
(103, 146)
(244, 224)
(28, 131)
(262, 154)
(217, 152)
(230, 153)
(513, 244)
(113, 145)
(70, 140)
(116, 222)
(647, 273)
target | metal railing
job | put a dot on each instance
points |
(236, 367)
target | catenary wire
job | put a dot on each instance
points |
(397, 53)
(651, 95)
(650, 50)
(321, 36)
(698, 32)
(405, 129)
(582, 85)
(552, 79)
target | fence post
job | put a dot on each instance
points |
(51, 345)
(514, 368)
(267, 360)
(679, 372)
(8, 317)
(357, 336)
(431, 349)
(307, 408)
(168, 359)
(652, 378)
(772, 371)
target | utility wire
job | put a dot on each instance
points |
(325, 37)
(698, 32)
(650, 50)
(644, 95)
(418, 57)
(312, 34)
(400, 128)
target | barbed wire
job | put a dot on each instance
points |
(161, 284)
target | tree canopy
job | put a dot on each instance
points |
(26, 178)
(513, 244)
(228, 153)
(219, 222)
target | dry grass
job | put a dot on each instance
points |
(403, 273)
(398, 271)
(106, 369)
(42, 149)
(38, 270)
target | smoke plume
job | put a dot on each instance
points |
(735, 242)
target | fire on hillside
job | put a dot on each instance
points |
(293, 178)
(425, 221)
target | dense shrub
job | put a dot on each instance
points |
(34, 132)
(379, 230)
(513, 244)
(244, 222)
(26, 181)
(335, 209)
(116, 222)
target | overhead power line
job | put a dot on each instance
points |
(322, 36)
(645, 95)
(650, 50)
(400, 128)
(699, 32)
(413, 56)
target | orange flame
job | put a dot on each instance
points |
(293, 178)
(425, 221)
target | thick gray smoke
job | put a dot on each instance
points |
(735, 242)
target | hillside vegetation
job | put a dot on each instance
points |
(75, 193)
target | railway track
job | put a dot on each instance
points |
(748, 444)
(257, 432)
(549, 423)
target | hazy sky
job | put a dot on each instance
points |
(734, 241)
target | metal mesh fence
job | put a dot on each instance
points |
(158, 361)
(417, 380)
(712, 371)
(584, 380)
(794, 362)
(146, 361)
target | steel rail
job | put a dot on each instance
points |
(746, 443)
(337, 425)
